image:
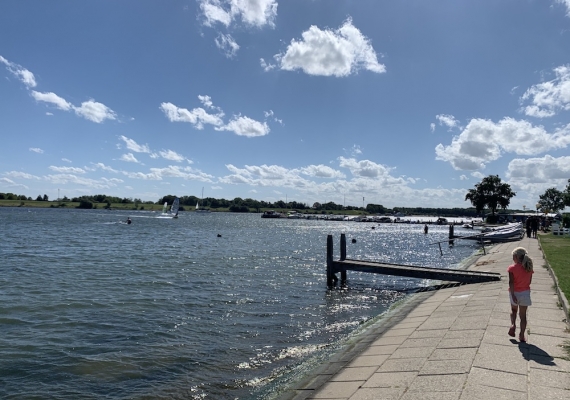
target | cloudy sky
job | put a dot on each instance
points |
(399, 103)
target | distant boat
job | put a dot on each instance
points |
(201, 210)
(272, 214)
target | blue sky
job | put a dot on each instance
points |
(402, 103)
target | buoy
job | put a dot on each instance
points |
(219, 235)
(353, 240)
(373, 227)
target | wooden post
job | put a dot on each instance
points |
(342, 257)
(330, 273)
(451, 241)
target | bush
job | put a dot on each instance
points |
(85, 204)
(566, 220)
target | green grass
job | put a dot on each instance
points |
(557, 252)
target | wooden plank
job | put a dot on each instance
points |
(414, 271)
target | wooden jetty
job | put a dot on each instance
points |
(343, 265)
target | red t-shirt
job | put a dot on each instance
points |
(522, 278)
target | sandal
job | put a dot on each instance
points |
(512, 331)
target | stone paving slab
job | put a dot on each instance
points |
(453, 345)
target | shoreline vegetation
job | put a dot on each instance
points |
(245, 206)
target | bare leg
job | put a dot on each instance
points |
(514, 310)
(523, 322)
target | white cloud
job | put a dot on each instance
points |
(172, 171)
(214, 13)
(171, 155)
(227, 45)
(36, 150)
(94, 111)
(567, 4)
(66, 160)
(245, 126)
(129, 157)
(330, 53)
(432, 127)
(104, 167)
(266, 66)
(134, 146)
(447, 120)
(321, 171)
(483, 141)
(255, 13)
(547, 98)
(21, 175)
(197, 117)
(463, 178)
(543, 170)
(67, 170)
(25, 76)
(365, 168)
(53, 99)
(62, 179)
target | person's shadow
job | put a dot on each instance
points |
(530, 352)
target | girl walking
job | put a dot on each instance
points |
(520, 277)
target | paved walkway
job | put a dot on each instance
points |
(453, 344)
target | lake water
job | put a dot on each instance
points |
(92, 308)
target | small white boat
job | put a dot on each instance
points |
(201, 210)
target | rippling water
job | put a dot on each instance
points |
(91, 307)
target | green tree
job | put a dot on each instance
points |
(45, 198)
(490, 193)
(551, 201)
(567, 194)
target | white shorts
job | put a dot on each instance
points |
(523, 298)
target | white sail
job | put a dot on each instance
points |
(165, 207)
(175, 207)
(197, 205)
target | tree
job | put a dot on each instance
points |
(552, 200)
(491, 193)
(567, 194)
(46, 198)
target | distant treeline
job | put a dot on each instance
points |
(248, 205)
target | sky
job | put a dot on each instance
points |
(405, 103)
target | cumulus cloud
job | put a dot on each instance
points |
(129, 157)
(36, 150)
(62, 179)
(227, 45)
(103, 167)
(94, 111)
(321, 171)
(255, 13)
(548, 98)
(53, 99)
(197, 116)
(134, 146)
(25, 76)
(339, 52)
(364, 168)
(447, 120)
(543, 170)
(245, 126)
(171, 155)
(483, 141)
(90, 110)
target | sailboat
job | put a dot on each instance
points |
(201, 210)
(175, 207)
(173, 212)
